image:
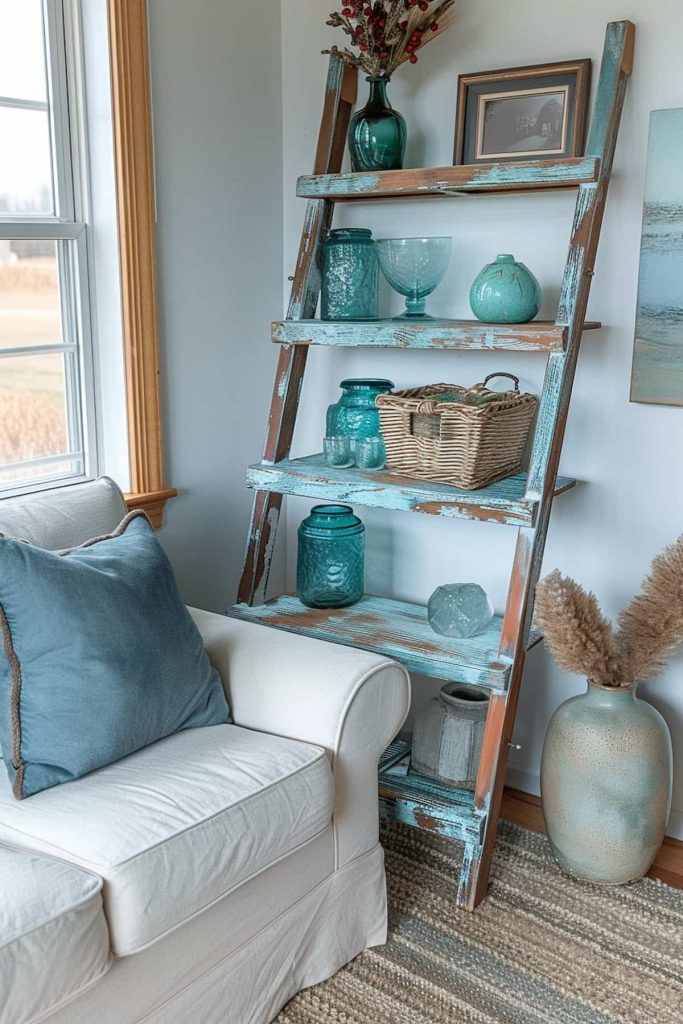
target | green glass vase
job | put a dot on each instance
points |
(377, 133)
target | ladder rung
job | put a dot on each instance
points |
(397, 630)
(537, 336)
(502, 502)
(412, 183)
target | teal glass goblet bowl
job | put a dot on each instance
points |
(414, 267)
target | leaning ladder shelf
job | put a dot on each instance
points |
(496, 658)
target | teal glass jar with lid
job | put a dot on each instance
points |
(330, 570)
(355, 414)
(350, 276)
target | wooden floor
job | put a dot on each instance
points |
(525, 809)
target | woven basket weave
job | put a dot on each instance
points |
(473, 438)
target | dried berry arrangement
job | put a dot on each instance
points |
(386, 33)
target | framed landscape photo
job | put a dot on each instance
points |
(522, 113)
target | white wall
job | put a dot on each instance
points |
(630, 505)
(216, 80)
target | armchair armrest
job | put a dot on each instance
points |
(348, 701)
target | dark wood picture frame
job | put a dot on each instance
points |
(571, 77)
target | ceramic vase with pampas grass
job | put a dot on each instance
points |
(606, 770)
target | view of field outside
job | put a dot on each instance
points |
(32, 387)
(33, 394)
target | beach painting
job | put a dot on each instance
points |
(657, 375)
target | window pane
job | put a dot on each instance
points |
(22, 50)
(29, 294)
(25, 162)
(33, 407)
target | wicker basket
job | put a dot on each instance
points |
(467, 437)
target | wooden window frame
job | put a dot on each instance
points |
(134, 157)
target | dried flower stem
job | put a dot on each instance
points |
(576, 631)
(651, 627)
(388, 32)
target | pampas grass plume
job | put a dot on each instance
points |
(576, 632)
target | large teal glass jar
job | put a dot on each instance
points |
(330, 570)
(377, 133)
(350, 276)
(355, 414)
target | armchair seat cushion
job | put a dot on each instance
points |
(175, 826)
(53, 934)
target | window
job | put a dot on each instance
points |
(47, 392)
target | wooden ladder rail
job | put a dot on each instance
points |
(340, 95)
(615, 70)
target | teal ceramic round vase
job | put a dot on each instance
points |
(377, 132)
(355, 414)
(330, 570)
(606, 777)
(505, 292)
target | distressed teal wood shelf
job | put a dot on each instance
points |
(501, 502)
(538, 336)
(396, 629)
(425, 803)
(410, 183)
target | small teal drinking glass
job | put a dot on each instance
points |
(337, 451)
(370, 453)
(330, 571)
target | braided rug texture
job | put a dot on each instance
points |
(541, 949)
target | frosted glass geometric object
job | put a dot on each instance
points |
(459, 609)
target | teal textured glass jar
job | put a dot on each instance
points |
(330, 569)
(377, 133)
(350, 276)
(355, 414)
(505, 292)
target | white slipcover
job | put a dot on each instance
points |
(174, 827)
(65, 517)
(298, 918)
(53, 935)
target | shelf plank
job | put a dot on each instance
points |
(501, 502)
(425, 803)
(519, 175)
(537, 336)
(396, 629)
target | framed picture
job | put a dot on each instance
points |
(522, 113)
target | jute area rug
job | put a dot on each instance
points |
(541, 949)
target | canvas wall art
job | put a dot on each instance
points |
(657, 375)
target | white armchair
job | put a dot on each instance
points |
(237, 864)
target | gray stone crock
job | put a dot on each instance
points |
(606, 776)
(448, 734)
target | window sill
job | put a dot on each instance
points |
(153, 503)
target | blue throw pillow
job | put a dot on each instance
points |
(101, 656)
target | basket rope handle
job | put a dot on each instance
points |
(510, 376)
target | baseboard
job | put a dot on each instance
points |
(529, 782)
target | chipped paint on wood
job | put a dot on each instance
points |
(395, 629)
(444, 181)
(339, 97)
(427, 804)
(538, 336)
(501, 502)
